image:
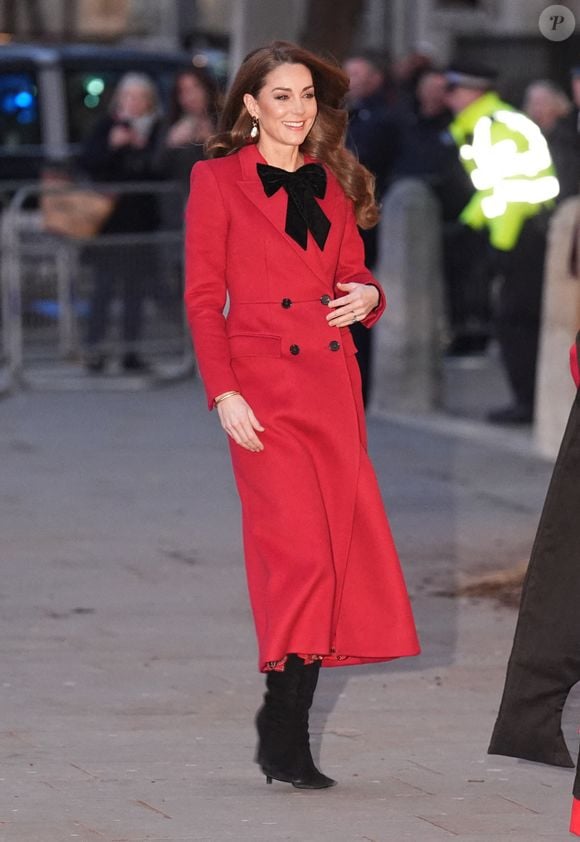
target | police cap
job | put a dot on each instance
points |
(477, 77)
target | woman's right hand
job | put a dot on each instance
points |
(239, 422)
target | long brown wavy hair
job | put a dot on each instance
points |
(325, 141)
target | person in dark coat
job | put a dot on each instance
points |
(371, 137)
(544, 663)
(426, 151)
(421, 149)
(124, 147)
(272, 226)
(567, 135)
(548, 106)
(424, 147)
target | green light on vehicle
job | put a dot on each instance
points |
(95, 87)
(91, 101)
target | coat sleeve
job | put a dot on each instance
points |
(351, 265)
(575, 365)
(206, 229)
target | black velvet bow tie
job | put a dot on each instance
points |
(303, 214)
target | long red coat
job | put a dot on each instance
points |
(323, 573)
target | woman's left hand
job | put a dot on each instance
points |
(360, 300)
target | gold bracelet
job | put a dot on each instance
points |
(225, 395)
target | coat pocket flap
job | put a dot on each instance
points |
(254, 345)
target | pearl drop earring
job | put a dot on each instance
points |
(254, 130)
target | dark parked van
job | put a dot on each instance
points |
(51, 96)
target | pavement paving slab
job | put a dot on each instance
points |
(129, 679)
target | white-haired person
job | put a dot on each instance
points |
(124, 147)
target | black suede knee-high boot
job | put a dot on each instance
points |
(274, 722)
(306, 771)
(282, 722)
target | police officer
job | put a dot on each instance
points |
(509, 163)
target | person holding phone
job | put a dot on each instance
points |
(124, 147)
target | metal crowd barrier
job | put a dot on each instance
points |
(52, 293)
(7, 191)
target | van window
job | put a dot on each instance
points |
(19, 119)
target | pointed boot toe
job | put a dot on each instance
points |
(316, 780)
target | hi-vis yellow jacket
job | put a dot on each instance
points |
(508, 161)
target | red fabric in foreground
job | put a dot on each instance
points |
(574, 367)
(575, 818)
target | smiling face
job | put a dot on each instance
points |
(285, 106)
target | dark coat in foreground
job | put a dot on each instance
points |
(545, 660)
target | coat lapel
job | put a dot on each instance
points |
(274, 209)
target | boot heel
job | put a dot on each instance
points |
(268, 779)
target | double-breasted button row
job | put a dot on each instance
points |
(286, 303)
(334, 346)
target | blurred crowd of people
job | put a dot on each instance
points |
(410, 119)
(444, 126)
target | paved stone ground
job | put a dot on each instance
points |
(129, 679)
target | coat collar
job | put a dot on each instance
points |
(274, 208)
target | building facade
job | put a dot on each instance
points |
(501, 31)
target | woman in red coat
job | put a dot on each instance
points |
(271, 223)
